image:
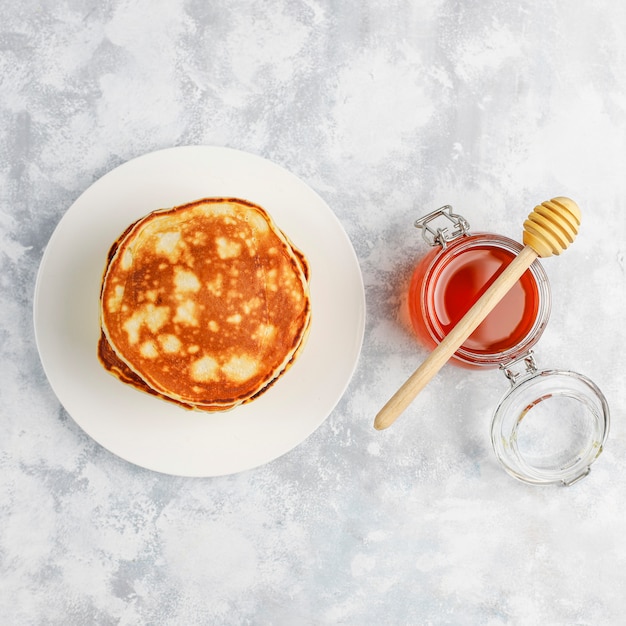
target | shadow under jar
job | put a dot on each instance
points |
(551, 425)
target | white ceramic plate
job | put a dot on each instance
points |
(153, 433)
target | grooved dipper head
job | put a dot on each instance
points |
(552, 226)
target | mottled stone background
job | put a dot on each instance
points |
(387, 110)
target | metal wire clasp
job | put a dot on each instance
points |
(530, 367)
(443, 233)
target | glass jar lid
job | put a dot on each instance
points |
(550, 427)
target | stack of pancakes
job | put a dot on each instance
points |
(205, 305)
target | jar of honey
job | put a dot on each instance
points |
(551, 425)
(448, 280)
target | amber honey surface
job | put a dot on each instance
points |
(454, 282)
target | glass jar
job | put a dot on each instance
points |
(451, 278)
(551, 425)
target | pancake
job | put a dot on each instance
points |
(205, 304)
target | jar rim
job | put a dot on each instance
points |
(433, 324)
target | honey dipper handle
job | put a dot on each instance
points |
(455, 339)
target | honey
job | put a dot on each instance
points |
(449, 280)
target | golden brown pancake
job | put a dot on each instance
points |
(204, 304)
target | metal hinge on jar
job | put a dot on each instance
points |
(521, 367)
(444, 230)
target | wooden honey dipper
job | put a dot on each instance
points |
(550, 228)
